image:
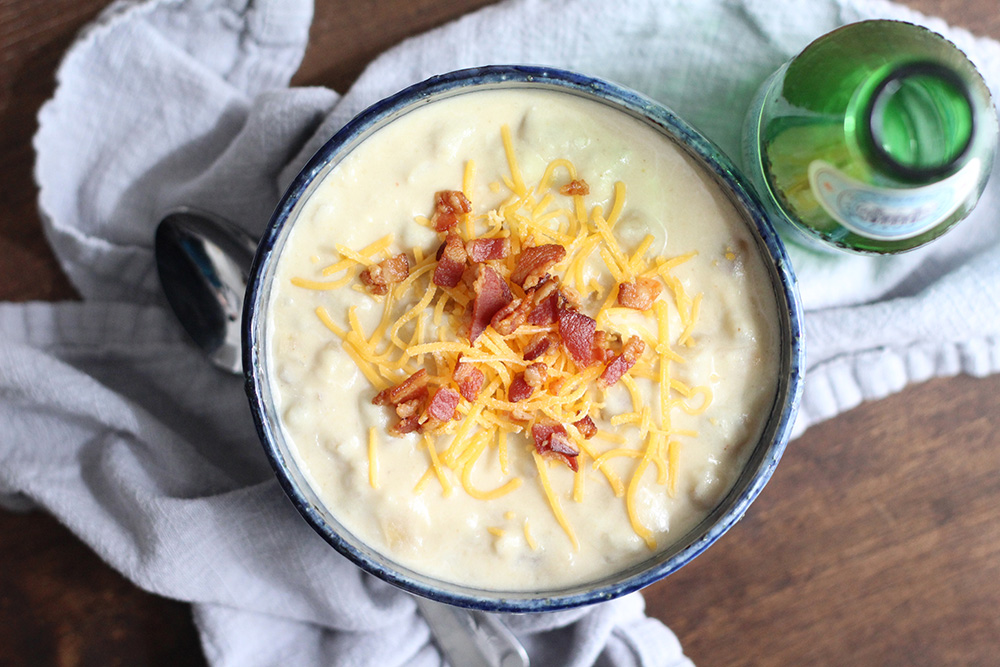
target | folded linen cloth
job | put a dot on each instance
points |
(119, 428)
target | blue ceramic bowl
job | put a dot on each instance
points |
(762, 461)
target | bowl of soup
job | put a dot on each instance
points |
(518, 339)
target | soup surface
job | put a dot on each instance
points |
(561, 382)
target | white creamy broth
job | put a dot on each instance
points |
(516, 542)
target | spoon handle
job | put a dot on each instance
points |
(472, 638)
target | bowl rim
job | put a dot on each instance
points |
(777, 429)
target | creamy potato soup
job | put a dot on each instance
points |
(519, 340)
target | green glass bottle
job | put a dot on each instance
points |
(877, 138)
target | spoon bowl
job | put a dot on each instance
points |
(204, 263)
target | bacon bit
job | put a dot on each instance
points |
(639, 294)
(482, 250)
(534, 262)
(620, 365)
(577, 333)
(586, 427)
(409, 408)
(575, 187)
(601, 349)
(448, 205)
(442, 405)
(396, 269)
(552, 441)
(408, 425)
(412, 387)
(544, 289)
(510, 317)
(536, 374)
(372, 279)
(520, 311)
(538, 345)
(408, 397)
(451, 261)
(492, 294)
(546, 312)
(519, 390)
(377, 278)
(569, 297)
(562, 447)
(543, 430)
(469, 379)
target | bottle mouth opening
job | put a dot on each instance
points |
(920, 121)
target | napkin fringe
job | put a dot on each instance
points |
(845, 382)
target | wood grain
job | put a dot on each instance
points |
(877, 542)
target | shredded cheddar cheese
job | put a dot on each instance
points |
(436, 465)
(528, 537)
(633, 516)
(557, 510)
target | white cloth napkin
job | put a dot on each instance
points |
(120, 429)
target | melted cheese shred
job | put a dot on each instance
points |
(436, 465)
(528, 537)
(402, 341)
(557, 510)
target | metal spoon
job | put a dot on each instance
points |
(204, 264)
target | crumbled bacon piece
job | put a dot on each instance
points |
(620, 365)
(561, 446)
(577, 333)
(543, 290)
(538, 345)
(448, 205)
(442, 405)
(408, 398)
(519, 390)
(451, 261)
(510, 317)
(600, 348)
(408, 425)
(469, 379)
(551, 440)
(409, 408)
(378, 277)
(536, 374)
(482, 250)
(492, 294)
(546, 312)
(412, 387)
(639, 294)
(586, 427)
(543, 430)
(516, 313)
(533, 262)
(575, 187)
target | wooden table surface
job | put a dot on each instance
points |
(877, 542)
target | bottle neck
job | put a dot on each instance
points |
(916, 122)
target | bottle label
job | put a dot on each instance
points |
(888, 213)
